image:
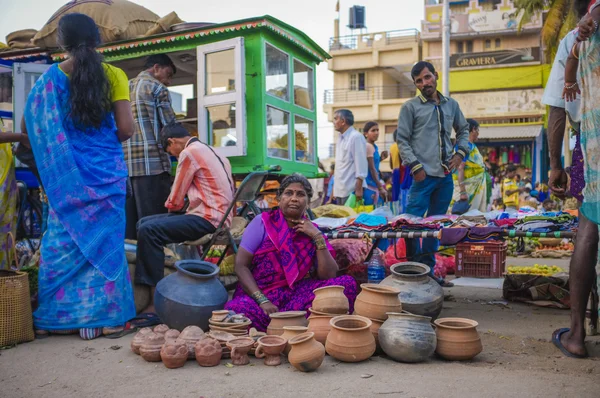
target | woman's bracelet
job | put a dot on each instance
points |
(259, 297)
(570, 87)
(319, 242)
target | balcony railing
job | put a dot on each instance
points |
(369, 94)
(354, 42)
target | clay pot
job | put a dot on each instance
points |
(208, 352)
(270, 348)
(173, 354)
(405, 337)
(320, 325)
(375, 331)
(350, 338)
(292, 331)
(281, 319)
(457, 339)
(161, 329)
(419, 293)
(330, 299)
(307, 353)
(138, 339)
(190, 336)
(239, 350)
(374, 301)
(150, 349)
(315, 312)
(171, 335)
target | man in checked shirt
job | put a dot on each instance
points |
(148, 163)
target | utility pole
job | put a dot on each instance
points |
(446, 48)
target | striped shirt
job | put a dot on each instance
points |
(202, 177)
(151, 108)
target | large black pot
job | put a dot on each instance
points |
(190, 295)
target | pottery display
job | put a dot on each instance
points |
(174, 354)
(457, 339)
(350, 338)
(171, 335)
(331, 300)
(138, 339)
(306, 353)
(376, 325)
(219, 315)
(190, 295)
(239, 350)
(406, 337)
(281, 319)
(208, 352)
(419, 293)
(190, 336)
(292, 331)
(150, 349)
(320, 325)
(161, 329)
(270, 348)
(374, 301)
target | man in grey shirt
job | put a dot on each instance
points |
(424, 127)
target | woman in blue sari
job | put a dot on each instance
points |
(76, 116)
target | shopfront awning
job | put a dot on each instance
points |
(503, 133)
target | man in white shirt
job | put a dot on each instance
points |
(351, 167)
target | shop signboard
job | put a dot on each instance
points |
(501, 103)
(495, 58)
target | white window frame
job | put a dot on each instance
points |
(20, 71)
(237, 96)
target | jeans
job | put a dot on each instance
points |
(148, 197)
(154, 232)
(429, 197)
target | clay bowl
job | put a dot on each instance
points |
(281, 319)
(138, 339)
(292, 331)
(208, 352)
(235, 332)
(320, 325)
(219, 315)
(457, 339)
(221, 337)
(173, 354)
(150, 349)
(239, 350)
(270, 348)
(230, 325)
(307, 354)
(330, 299)
(375, 301)
(350, 338)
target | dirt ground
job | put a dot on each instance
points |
(518, 361)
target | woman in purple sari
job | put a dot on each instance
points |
(283, 257)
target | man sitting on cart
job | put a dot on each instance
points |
(205, 178)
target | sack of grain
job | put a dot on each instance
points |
(21, 39)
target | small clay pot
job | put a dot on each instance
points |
(239, 350)
(292, 331)
(307, 353)
(191, 335)
(171, 335)
(457, 339)
(375, 331)
(173, 354)
(350, 338)
(208, 352)
(281, 319)
(150, 349)
(375, 301)
(270, 348)
(330, 299)
(320, 325)
(161, 329)
(138, 339)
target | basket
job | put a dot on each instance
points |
(481, 259)
(16, 320)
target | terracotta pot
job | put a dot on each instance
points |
(315, 312)
(292, 331)
(208, 352)
(239, 350)
(270, 348)
(171, 335)
(281, 319)
(307, 353)
(330, 299)
(419, 293)
(150, 349)
(138, 339)
(320, 325)
(457, 339)
(375, 331)
(350, 338)
(405, 337)
(375, 301)
(173, 354)
(190, 336)
(161, 329)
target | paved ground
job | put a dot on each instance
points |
(518, 361)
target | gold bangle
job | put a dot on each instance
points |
(320, 243)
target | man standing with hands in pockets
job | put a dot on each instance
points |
(424, 127)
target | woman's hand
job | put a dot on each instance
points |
(383, 193)
(570, 91)
(269, 308)
(307, 228)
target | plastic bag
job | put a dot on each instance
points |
(358, 206)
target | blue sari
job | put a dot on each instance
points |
(84, 280)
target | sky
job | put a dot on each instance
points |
(314, 17)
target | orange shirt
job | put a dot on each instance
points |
(201, 176)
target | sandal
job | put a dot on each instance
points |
(141, 321)
(556, 341)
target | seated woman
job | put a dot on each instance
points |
(283, 257)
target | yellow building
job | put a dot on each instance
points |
(497, 75)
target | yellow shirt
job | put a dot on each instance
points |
(118, 81)
(395, 156)
(512, 200)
